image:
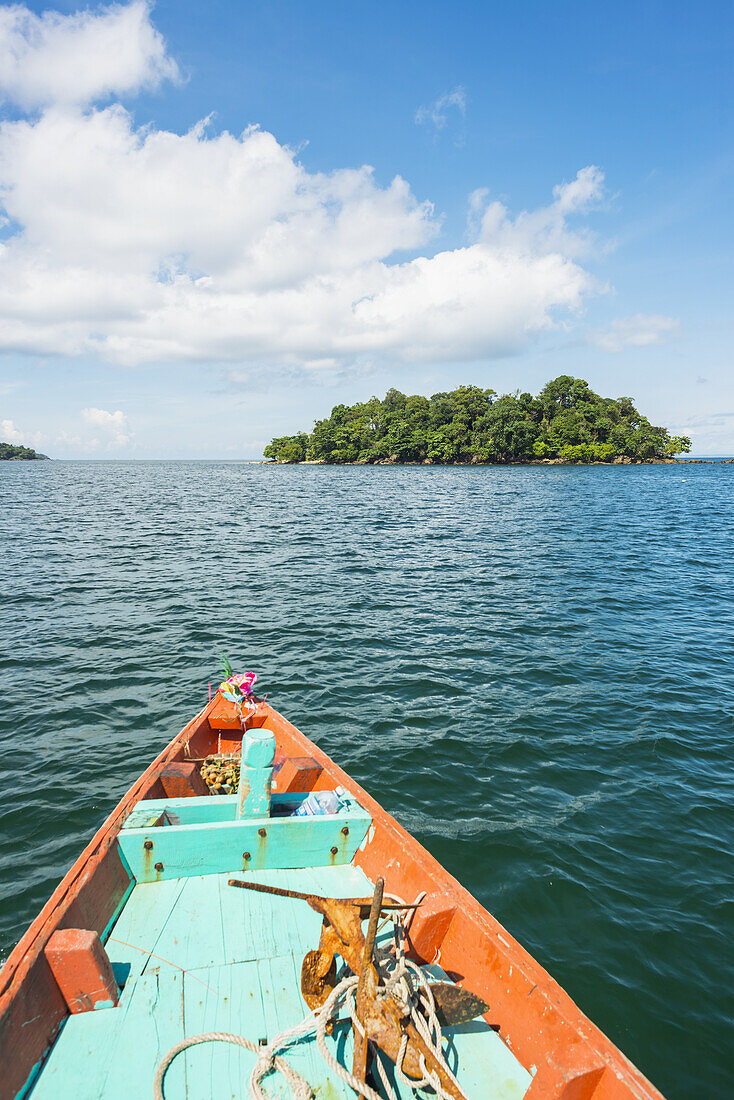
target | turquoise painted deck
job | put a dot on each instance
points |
(197, 955)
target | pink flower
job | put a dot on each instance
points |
(242, 682)
(245, 682)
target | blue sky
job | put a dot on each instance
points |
(563, 205)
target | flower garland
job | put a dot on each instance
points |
(237, 688)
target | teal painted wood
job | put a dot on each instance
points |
(185, 811)
(202, 809)
(284, 1007)
(340, 882)
(74, 1069)
(256, 773)
(152, 1024)
(257, 999)
(484, 1066)
(193, 935)
(258, 748)
(144, 817)
(221, 998)
(114, 1053)
(201, 921)
(253, 795)
(221, 846)
(137, 930)
(257, 926)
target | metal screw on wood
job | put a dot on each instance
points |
(148, 845)
(245, 855)
(159, 866)
(345, 830)
(262, 832)
(334, 850)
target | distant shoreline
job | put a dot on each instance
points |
(14, 452)
(500, 465)
(319, 462)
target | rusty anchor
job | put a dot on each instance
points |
(382, 1019)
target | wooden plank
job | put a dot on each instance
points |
(145, 819)
(284, 1007)
(340, 882)
(182, 811)
(114, 1053)
(221, 846)
(260, 925)
(221, 998)
(197, 811)
(137, 929)
(214, 923)
(192, 936)
(74, 1069)
(151, 1025)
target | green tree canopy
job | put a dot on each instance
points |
(10, 451)
(566, 422)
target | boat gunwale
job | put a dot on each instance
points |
(87, 860)
(573, 1049)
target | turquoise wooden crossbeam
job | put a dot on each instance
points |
(166, 852)
(182, 811)
(198, 811)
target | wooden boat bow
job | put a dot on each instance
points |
(159, 848)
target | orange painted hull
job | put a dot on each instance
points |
(569, 1057)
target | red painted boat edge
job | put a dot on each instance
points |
(31, 1006)
(540, 1023)
(570, 1057)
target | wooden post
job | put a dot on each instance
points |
(256, 773)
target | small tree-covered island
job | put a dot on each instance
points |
(566, 423)
(9, 452)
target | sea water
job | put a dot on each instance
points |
(530, 667)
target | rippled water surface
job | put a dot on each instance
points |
(530, 667)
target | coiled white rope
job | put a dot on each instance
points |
(402, 980)
(267, 1059)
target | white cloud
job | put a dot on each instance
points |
(544, 231)
(9, 433)
(143, 245)
(79, 58)
(639, 331)
(113, 425)
(436, 114)
(582, 192)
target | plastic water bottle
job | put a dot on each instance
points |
(319, 802)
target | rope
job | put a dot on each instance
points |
(407, 984)
(266, 1061)
(400, 978)
(347, 989)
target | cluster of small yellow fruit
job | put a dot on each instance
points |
(221, 776)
